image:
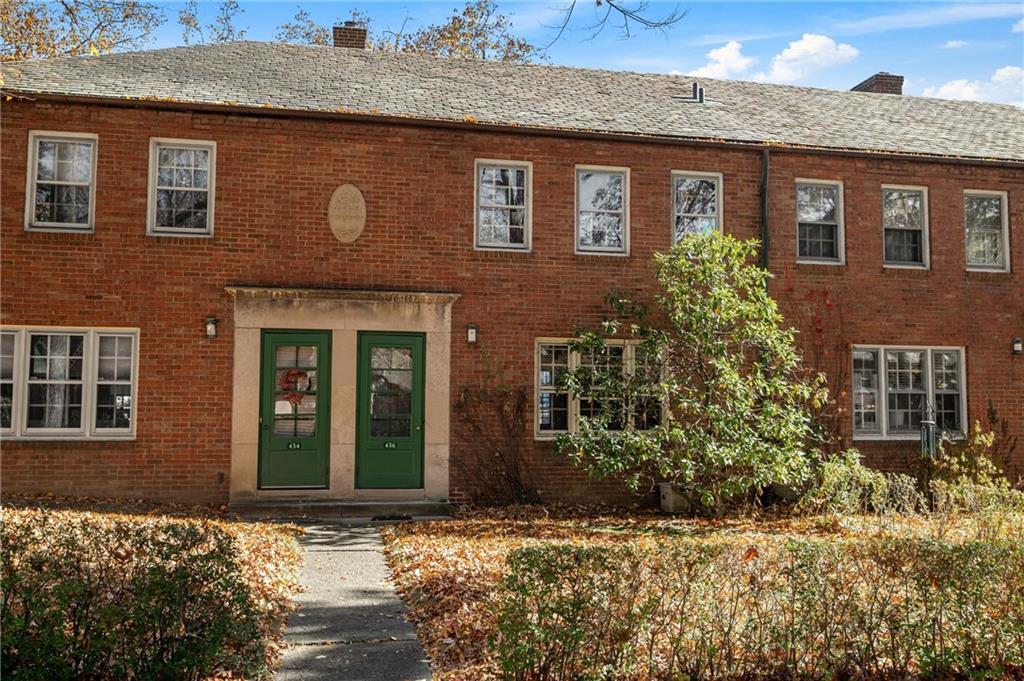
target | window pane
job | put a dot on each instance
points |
(501, 206)
(906, 389)
(113, 406)
(904, 246)
(818, 241)
(600, 190)
(600, 230)
(903, 208)
(983, 222)
(696, 196)
(817, 203)
(865, 391)
(54, 405)
(553, 404)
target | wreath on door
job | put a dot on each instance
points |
(289, 384)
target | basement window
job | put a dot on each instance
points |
(61, 383)
(181, 187)
(894, 386)
(61, 188)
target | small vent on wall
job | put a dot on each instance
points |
(696, 96)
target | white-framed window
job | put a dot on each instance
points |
(182, 178)
(503, 199)
(893, 387)
(68, 383)
(557, 411)
(820, 231)
(905, 226)
(60, 191)
(602, 210)
(986, 230)
(696, 202)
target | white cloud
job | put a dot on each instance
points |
(808, 55)
(725, 61)
(1018, 27)
(954, 44)
(1006, 86)
(922, 16)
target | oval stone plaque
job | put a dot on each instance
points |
(346, 213)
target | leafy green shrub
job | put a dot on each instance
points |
(879, 607)
(118, 597)
(843, 485)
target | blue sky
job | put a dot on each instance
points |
(965, 50)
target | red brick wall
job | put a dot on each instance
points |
(274, 179)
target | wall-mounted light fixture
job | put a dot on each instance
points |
(1018, 346)
(471, 333)
(211, 327)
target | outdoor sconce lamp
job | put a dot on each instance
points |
(1018, 346)
(471, 333)
(211, 327)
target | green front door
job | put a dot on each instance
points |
(295, 379)
(389, 436)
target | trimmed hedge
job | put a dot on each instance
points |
(786, 608)
(104, 596)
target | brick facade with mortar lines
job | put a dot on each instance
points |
(274, 178)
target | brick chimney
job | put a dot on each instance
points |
(350, 34)
(882, 83)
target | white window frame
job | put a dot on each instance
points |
(90, 364)
(699, 174)
(1005, 215)
(882, 403)
(925, 228)
(32, 172)
(840, 260)
(628, 366)
(211, 185)
(600, 250)
(527, 245)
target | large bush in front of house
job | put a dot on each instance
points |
(110, 596)
(714, 398)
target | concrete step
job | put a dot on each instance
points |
(304, 509)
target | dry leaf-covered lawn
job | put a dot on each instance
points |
(448, 570)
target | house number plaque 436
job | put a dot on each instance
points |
(390, 445)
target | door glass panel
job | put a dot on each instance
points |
(391, 379)
(295, 391)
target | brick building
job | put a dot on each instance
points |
(255, 272)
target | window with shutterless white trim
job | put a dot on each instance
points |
(893, 387)
(503, 204)
(8, 341)
(182, 177)
(68, 383)
(557, 411)
(602, 210)
(819, 222)
(696, 202)
(61, 184)
(905, 226)
(986, 230)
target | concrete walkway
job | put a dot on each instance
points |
(349, 623)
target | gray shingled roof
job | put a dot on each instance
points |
(328, 79)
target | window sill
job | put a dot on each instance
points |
(895, 266)
(903, 437)
(179, 235)
(499, 249)
(988, 270)
(53, 229)
(600, 254)
(827, 263)
(66, 438)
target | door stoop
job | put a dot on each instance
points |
(297, 509)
